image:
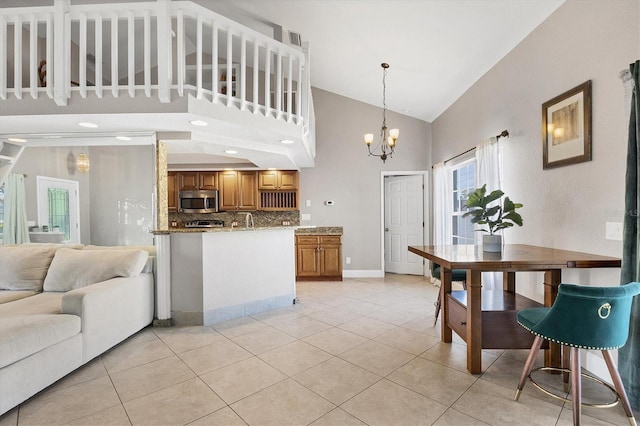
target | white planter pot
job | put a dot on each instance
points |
(492, 243)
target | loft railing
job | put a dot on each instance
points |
(163, 48)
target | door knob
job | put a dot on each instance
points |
(386, 229)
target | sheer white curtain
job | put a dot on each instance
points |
(441, 205)
(489, 172)
(15, 229)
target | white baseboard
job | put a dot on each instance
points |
(363, 273)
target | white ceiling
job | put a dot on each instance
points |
(437, 49)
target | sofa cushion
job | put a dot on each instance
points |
(71, 269)
(24, 335)
(148, 267)
(24, 268)
(41, 303)
(11, 295)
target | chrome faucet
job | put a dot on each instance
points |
(248, 219)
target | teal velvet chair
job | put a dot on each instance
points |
(582, 317)
(456, 275)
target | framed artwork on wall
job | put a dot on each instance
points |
(566, 128)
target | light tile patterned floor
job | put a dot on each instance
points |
(357, 352)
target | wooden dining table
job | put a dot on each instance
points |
(491, 323)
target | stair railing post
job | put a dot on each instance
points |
(60, 52)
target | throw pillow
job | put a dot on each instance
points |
(24, 268)
(71, 269)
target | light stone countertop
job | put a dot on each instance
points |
(299, 230)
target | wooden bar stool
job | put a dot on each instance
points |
(582, 317)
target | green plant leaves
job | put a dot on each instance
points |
(495, 217)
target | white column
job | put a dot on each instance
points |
(163, 280)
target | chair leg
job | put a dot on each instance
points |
(617, 382)
(528, 365)
(576, 385)
(437, 304)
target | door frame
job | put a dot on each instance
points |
(76, 208)
(425, 210)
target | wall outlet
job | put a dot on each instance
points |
(348, 260)
(613, 231)
(305, 216)
(308, 203)
(286, 223)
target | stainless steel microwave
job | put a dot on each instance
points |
(203, 201)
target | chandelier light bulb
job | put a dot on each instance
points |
(394, 133)
(368, 138)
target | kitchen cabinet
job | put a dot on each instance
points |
(191, 181)
(278, 179)
(318, 258)
(172, 191)
(238, 190)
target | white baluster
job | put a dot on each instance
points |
(214, 62)
(164, 49)
(17, 57)
(199, 56)
(33, 57)
(49, 53)
(289, 89)
(98, 56)
(267, 81)
(82, 55)
(114, 55)
(243, 72)
(299, 93)
(256, 73)
(279, 86)
(180, 59)
(147, 54)
(131, 50)
(229, 67)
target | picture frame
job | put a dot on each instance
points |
(566, 128)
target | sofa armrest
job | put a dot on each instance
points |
(111, 310)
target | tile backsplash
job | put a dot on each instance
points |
(260, 218)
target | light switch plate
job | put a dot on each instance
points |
(613, 231)
(305, 216)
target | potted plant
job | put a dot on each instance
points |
(495, 218)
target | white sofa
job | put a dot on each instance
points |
(60, 307)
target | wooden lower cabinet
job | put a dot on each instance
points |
(318, 258)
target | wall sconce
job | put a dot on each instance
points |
(83, 164)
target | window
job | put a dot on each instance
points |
(463, 182)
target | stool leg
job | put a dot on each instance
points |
(528, 365)
(437, 304)
(617, 382)
(576, 385)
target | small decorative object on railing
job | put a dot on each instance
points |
(387, 138)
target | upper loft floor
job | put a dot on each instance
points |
(156, 67)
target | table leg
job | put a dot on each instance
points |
(509, 281)
(552, 278)
(474, 322)
(445, 282)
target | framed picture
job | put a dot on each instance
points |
(566, 128)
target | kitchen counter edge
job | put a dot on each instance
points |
(299, 230)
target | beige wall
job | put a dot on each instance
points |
(345, 174)
(566, 207)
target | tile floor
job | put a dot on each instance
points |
(361, 351)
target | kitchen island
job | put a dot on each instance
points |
(220, 274)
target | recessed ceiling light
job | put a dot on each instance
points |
(88, 125)
(198, 122)
(228, 169)
(123, 138)
(230, 151)
(52, 137)
(272, 168)
(286, 141)
(18, 140)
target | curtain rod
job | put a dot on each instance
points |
(503, 134)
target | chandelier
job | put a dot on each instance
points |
(388, 138)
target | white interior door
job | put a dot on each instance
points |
(403, 223)
(58, 206)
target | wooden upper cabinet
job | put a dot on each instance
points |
(238, 190)
(278, 179)
(191, 181)
(172, 191)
